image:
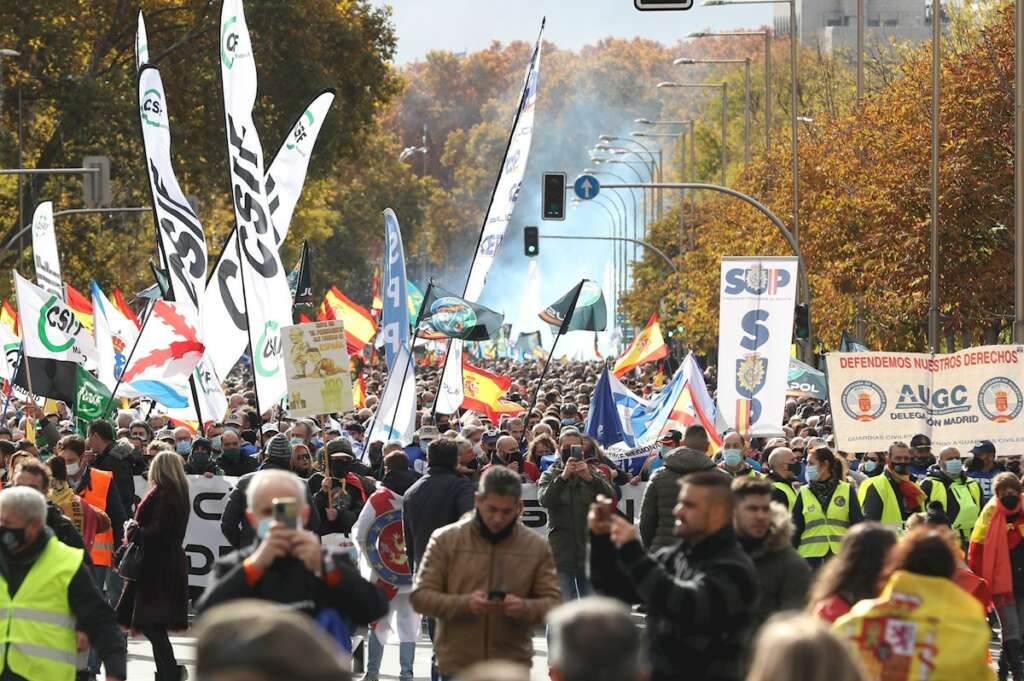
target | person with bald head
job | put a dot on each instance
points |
(947, 484)
(506, 453)
(783, 469)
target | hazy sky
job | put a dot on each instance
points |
(458, 25)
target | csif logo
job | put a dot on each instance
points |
(152, 109)
(268, 350)
(61, 319)
(301, 130)
(230, 42)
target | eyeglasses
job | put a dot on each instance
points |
(307, 457)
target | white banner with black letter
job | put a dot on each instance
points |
(44, 250)
(755, 329)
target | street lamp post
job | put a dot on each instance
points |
(657, 164)
(724, 87)
(746, 94)
(767, 72)
(933, 307)
(687, 130)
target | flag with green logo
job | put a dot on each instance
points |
(91, 396)
(583, 307)
(446, 315)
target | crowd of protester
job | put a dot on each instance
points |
(776, 558)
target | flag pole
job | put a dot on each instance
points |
(561, 330)
(21, 324)
(128, 361)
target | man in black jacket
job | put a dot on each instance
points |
(437, 499)
(701, 594)
(288, 565)
(233, 523)
(339, 497)
(101, 443)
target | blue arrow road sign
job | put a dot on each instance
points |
(586, 186)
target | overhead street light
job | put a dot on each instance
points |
(725, 94)
(688, 61)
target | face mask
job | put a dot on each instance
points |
(215, 442)
(263, 528)
(869, 465)
(794, 468)
(182, 447)
(201, 457)
(954, 467)
(812, 473)
(11, 538)
(665, 449)
(296, 441)
(900, 468)
(317, 443)
(732, 457)
(922, 461)
(74, 468)
(340, 469)
(231, 453)
(1010, 502)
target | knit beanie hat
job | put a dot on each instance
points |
(279, 447)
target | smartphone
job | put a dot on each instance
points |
(576, 452)
(496, 596)
(286, 511)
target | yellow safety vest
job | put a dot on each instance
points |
(891, 519)
(788, 491)
(968, 497)
(824, 530)
(38, 636)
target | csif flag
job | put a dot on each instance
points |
(44, 249)
(446, 315)
(300, 279)
(581, 309)
(141, 44)
(648, 346)
(55, 343)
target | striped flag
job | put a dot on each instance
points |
(648, 346)
(80, 305)
(360, 326)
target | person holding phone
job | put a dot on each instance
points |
(566, 490)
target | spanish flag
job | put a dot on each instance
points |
(80, 305)
(128, 313)
(648, 346)
(484, 392)
(359, 392)
(9, 317)
(359, 324)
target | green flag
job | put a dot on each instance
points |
(590, 312)
(446, 315)
(91, 397)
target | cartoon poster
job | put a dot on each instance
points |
(316, 366)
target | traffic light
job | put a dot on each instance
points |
(554, 196)
(802, 321)
(531, 242)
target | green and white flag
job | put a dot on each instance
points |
(584, 306)
(91, 397)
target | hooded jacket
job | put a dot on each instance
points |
(657, 524)
(783, 575)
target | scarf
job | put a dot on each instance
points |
(913, 496)
(492, 537)
(823, 491)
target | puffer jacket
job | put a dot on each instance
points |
(568, 502)
(459, 561)
(783, 575)
(657, 524)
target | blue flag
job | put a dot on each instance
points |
(603, 421)
(394, 328)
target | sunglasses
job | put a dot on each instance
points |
(307, 457)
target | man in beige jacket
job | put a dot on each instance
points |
(488, 579)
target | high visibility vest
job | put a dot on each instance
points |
(102, 553)
(824, 529)
(38, 636)
(746, 471)
(968, 498)
(891, 519)
(788, 491)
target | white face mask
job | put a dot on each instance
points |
(74, 468)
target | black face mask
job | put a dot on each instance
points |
(923, 461)
(340, 469)
(900, 468)
(231, 454)
(201, 457)
(11, 539)
(794, 467)
(1010, 502)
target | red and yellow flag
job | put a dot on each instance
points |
(648, 346)
(484, 392)
(9, 317)
(359, 324)
(122, 305)
(80, 305)
(359, 393)
(377, 306)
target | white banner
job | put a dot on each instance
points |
(395, 418)
(49, 328)
(268, 300)
(316, 363)
(451, 391)
(179, 232)
(205, 544)
(141, 44)
(44, 250)
(506, 192)
(956, 399)
(223, 308)
(755, 329)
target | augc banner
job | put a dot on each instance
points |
(754, 334)
(955, 399)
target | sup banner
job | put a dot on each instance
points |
(955, 399)
(316, 366)
(205, 544)
(755, 329)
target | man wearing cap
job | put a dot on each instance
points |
(417, 451)
(356, 434)
(657, 521)
(489, 442)
(983, 468)
(921, 458)
(234, 524)
(340, 495)
(668, 441)
(782, 471)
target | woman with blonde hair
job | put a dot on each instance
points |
(798, 647)
(158, 600)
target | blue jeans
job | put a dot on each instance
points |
(375, 654)
(574, 585)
